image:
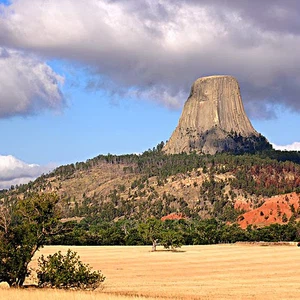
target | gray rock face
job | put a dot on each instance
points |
(213, 119)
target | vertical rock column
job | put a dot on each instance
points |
(213, 110)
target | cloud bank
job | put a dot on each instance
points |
(292, 147)
(27, 85)
(155, 49)
(14, 171)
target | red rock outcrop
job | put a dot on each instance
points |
(278, 209)
(173, 216)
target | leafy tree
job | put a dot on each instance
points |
(24, 225)
(171, 239)
(164, 233)
(67, 271)
(151, 231)
(172, 235)
(207, 232)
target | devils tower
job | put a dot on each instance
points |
(213, 120)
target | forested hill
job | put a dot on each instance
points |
(154, 184)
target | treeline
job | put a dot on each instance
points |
(171, 232)
(260, 174)
(154, 162)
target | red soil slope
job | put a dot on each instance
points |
(278, 209)
(173, 216)
(243, 205)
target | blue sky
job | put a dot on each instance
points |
(90, 125)
(78, 79)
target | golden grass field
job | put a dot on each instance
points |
(235, 271)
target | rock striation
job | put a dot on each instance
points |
(214, 120)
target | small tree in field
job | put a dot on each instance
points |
(171, 239)
(67, 271)
(151, 231)
(24, 225)
(160, 232)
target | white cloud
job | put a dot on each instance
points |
(292, 147)
(27, 85)
(14, 171)
(158, 48)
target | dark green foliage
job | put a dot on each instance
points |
(253, 144)
(166, 233)
(172, 233)
(284, 218)
(274, 232)
(67, 271)
(293, 156)
(24, 225)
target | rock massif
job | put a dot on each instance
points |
(214, 120)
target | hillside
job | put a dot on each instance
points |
(154, 184)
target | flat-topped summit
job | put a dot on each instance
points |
(213, 119)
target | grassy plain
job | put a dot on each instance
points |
(235, 271)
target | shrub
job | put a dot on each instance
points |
(284, 218)
(67, 271)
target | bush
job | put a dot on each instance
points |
(67, 271)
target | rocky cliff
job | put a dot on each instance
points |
(214, 120)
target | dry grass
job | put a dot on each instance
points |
(197, 272)
(30, 294)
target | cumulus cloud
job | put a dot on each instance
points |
(158, 48)
(293, 147)
(14, 171)
(27, 85)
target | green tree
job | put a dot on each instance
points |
(171, 239)
(151, 231)
(24, 226)
(163, 233)
(67, 271)
(172, 234)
